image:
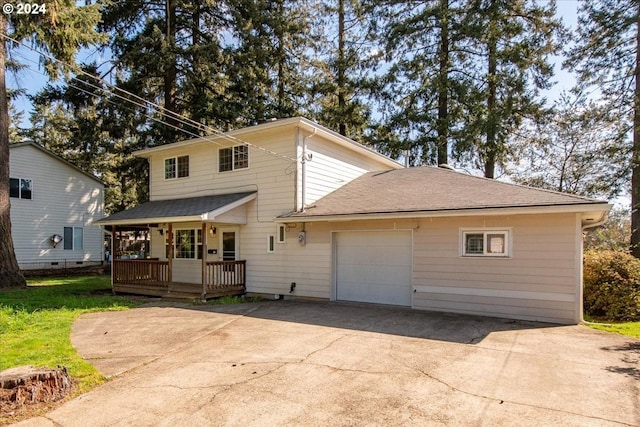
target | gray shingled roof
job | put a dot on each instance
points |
(429, 189)
(190, 207)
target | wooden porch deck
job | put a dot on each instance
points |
(151, 277)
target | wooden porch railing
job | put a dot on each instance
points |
(222, 274)
(141, 272)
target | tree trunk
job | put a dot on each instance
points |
(491, 131)
(635, 161)
(342, 63)
(442, 125)
(170, 74)
(10, 275)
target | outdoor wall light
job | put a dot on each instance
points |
(55, 239)
(213, 230)
(161, 231)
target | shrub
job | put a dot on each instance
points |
(612, 285)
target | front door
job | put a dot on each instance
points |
(229, 245)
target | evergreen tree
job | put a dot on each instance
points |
(61, 29)
(425, 87)
(607, 56)
(512, 44)
(344, 50)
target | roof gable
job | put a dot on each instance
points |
(54, 156)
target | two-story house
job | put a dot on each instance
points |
(53, 205)
(290, 208)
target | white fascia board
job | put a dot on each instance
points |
(141, 221)
(211, 215)
(587, 208)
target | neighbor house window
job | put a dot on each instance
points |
(20, 188)
(73, 238)
(271, 243)
(233, 158)
(176, 167)
(485, 243)
(187, 244)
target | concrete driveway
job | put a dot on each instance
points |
(316, 364)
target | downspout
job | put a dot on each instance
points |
(303, 169)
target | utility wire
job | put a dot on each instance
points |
(143, 103)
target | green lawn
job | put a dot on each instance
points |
(35, 323)
(631, 329)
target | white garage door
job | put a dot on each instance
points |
(373, 266)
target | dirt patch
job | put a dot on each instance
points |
(27, 391)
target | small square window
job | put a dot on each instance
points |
(233, 158)
(485, 243)
(73, 239)
(20, 188)
(176, 167)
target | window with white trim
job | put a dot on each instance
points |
(73, 238)
(487, 242)
(281, 233)
(187, 244)
(20, 188)
(176, 167)
(233, 158)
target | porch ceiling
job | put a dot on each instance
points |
(205, 208)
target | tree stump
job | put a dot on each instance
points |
(27, 385)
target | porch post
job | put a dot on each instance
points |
(170, 260)
(204, 261)
(114, 238)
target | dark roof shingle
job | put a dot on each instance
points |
(427, 189)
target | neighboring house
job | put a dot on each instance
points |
(53, 204)
(290, 208)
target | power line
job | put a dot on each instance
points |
(143, 103)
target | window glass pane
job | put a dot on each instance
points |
(271, 244)
(225, 159)
(78, 235)
(496, 243)
(25, 188)
(199, 243)
(281, 233)
(68, 238)
(241, 157)
(474, 243)
(183, 166)
(14, 187)
(169, 168)
(185, 244)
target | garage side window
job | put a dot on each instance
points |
(485, 243)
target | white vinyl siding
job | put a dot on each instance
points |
(65, 198)
(332, 166)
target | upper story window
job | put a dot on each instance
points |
(176, 167)
(485, 243)
(20, 188)
(233, 158)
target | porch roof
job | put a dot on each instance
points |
(205, 208)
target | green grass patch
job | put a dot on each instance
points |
(631, 329)
(35, 323)
(235, 299)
